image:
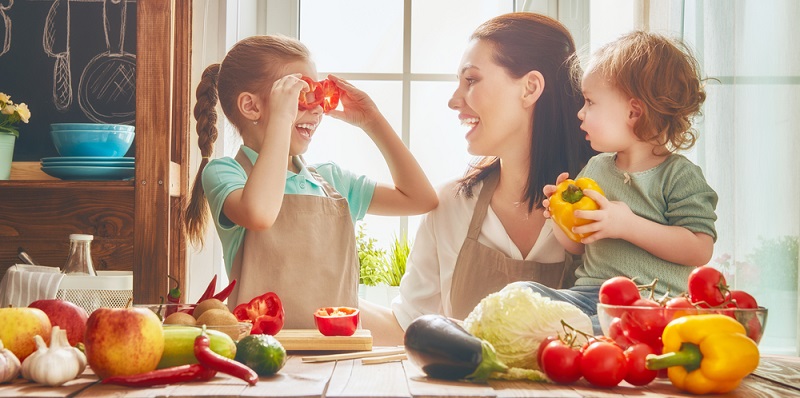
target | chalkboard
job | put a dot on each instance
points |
(70, 61)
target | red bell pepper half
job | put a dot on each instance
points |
(336, 321)
(265, 311)
(325, 93)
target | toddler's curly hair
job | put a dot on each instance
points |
(663, 74)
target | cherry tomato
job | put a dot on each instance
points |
(678, 307)
(753, 328)
(638, 374)
(616, 333)
(561, 363)
(603, 364)
(742, 299)
(619, 290)
(645, 326)
(547, 340)
(707, 285)
(595, 339)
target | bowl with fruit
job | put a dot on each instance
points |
(212, 313)
(629, 314)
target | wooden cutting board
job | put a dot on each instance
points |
(313, 340)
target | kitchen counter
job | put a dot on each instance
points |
(776, 376)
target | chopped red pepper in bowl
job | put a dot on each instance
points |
(336, 321)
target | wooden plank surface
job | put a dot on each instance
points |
(351, 378)
(313, 340)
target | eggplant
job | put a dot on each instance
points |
(444, 350)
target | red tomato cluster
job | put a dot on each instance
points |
(707, 288)
(601, 361)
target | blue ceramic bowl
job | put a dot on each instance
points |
(90, 126)
(92, 142)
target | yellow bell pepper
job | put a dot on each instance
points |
(707, 353)
(568, 198)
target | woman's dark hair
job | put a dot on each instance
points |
(252, 65)
(524, 42)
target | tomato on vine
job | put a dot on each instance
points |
(637, 373)
(604, 364)
(561, 362)
(707, 285)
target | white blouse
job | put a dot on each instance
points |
(425, 288)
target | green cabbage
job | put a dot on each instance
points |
(516, 319)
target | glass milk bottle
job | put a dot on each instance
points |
(79, 261)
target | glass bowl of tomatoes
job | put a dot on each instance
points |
(628, 324)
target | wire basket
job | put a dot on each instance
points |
(110, 289)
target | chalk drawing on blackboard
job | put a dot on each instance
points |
(6, 21)
(55, 42)
(107, 88)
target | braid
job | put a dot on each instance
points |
(196, 212)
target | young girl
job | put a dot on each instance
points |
(287, 227)
(657, 218)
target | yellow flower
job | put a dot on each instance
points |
(23, 112)
(4, 99)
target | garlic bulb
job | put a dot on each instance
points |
(9, 365)
(56, 365)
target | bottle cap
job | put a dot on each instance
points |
(81, 237)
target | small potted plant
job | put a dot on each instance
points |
(10, 115)
(381, 271)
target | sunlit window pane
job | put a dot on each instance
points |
(610, 19)
(441, 28)
(356, 36)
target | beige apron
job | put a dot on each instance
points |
(308, 257)
(481, 270)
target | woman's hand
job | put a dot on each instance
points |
(359, 109)
(548, 190)
(283, 97)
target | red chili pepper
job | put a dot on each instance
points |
(224, 293)
(212, 287)
(173, 296)
(212, 360)
(175, 374)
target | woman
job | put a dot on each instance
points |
(517, 97)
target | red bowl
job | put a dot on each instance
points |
(630, 324)
(336, 321)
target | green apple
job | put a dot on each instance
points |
(19, 325)
(123, 341)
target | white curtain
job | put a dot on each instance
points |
(749, 143)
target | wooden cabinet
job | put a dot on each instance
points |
(135, 223)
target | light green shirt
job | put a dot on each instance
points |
(225, 175)
(672, 193)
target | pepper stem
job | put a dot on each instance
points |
(488, 365)
(572, 194)
(689, 356)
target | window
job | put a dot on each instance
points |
(404, 54)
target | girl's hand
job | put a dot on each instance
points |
(611, 220)
(548, 190)
(283, 97)
(359, 109)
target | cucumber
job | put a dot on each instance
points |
(179, 345)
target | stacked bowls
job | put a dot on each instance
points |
(90, 151)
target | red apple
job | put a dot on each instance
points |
(69, 316)
(123, 341)
(19, 325)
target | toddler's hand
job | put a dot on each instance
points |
(359, 109)
(611, 220)
(548, 190)
(283, 97)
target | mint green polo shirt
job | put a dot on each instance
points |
(225, 175)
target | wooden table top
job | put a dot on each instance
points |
(776, 376)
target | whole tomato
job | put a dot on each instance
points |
(707, 285)
(619, 290)
(603, 364)
(742, 299)
(679, 306)
(638, 374)
(547, 340)
(616, 333)
(645, 326)
(561, 363)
